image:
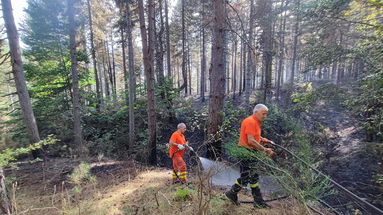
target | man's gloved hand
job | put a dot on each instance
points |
(269, 152)
(180, 147)
(265, 140)
(268, 142)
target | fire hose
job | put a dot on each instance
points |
(370, 208)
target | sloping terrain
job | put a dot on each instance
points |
(124, 188)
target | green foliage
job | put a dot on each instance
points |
(166, 94)
(9, 155)
(317, 53)
(107, 132)
(306, 98)
(81, 175)
(233, 118)
(47, 65)
(367, 103)
(183, 194)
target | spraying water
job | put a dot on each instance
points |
(225, 175)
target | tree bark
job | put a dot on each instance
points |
(93, 51)
(217, 81)
(132, 76)
(110, 69)
(5, 202)
(295, 43)
(105, 74)
(160, 50)
(18, 73)
(249, 56)
(75, 85)
(148, 43)
(189, 68)
(282, 30)
(184, 72)
(244, 62)
(167, 40)
(265, 8)
(240, 68)
(234, 87)
(99, 70)
(203, 58)
(113, 68)
(125, 72)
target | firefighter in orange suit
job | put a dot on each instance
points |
(250, 138)
(178, 144)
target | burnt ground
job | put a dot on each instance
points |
(42, 187)
(346, 156)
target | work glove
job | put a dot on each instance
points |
(270, 152)
(180, 147)
(265, 140)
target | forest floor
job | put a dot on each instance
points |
(347, 157)
(123, 188)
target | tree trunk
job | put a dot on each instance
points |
(105, 75)
(267, 44)
(5, 202)
(184, 72)
(22, 92)
(240, 68)
(93, 51)
(217, 81)
(148, 43)
(282, 30)
(76, 93)
(110, 68)
(132, 76)
(198, 66)
(244, 63)
(340, 69)
(295, 43)
(189, 68)
(99, 70)
(203, 58)
(17, 70)
(85, 50)
(254, 68)
(160, 51)
(167, 40)
(113, 68)
(124, 64)
(249, 56)
(18, 74)
(227, 77)
(234, 83)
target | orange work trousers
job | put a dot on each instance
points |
(179, 168)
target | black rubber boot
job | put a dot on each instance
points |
(258, 200)
(232, 194)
